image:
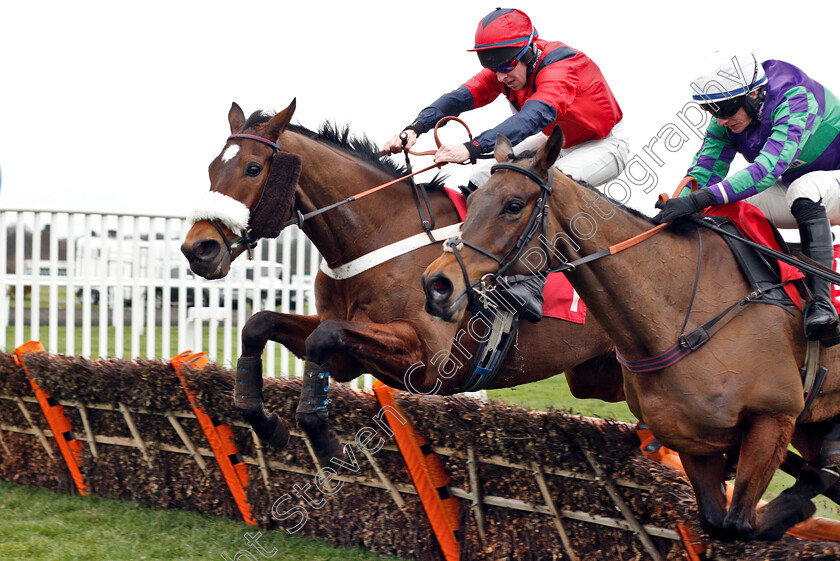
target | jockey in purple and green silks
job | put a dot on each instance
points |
(797, 133)
(786, 125)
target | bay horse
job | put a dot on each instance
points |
(739, 395)
(372, 322)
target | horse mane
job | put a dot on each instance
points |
(679, 227)
(617, 204)
(530, 154)
(360, 147)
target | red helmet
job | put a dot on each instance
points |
(502, 34)
(504, 27)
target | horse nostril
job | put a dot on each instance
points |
(204, 250)
(439, 288)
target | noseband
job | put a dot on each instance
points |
(537, 220)
(248, 237)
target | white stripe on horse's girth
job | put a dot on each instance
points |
(383, 254)
(222, 208)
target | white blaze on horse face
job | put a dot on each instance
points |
(229, 153)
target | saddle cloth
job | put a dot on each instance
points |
(752, 223)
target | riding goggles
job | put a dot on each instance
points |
(506, 67)
(723, 109)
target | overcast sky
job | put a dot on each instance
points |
(117, 106)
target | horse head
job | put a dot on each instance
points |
(499, 234)
(250, 179)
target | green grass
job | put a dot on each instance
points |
(40, 525)
(554, 393)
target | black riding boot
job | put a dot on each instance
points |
(526, 297)
(820, 321)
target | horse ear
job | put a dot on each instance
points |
(236, 118)
(550, 151)
(279, 122)
(504, 149)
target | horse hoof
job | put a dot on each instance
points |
(775, 528)
(279, 437)
(328, 450)
(269, 428)
(724, 532)
(324, 441)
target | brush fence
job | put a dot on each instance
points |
(530, 485)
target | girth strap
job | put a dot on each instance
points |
(690, 342)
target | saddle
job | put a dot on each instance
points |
(761, 274)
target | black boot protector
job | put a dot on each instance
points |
(247, 393)
(526, 297)
(247, 397)
(820, 316)
(312, 414)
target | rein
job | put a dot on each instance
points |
(686, 342)
(538, 218)
(250, 241)
(301, 218)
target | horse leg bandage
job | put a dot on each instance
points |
(313, 396)
(278, 193)
(247, 394)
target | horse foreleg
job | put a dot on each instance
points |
(707, 475)
(312, 414)
(291, 331)
(391, 347)
(763, 447)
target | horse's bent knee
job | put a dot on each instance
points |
(323, 341)
(256, 332)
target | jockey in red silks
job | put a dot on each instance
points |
(547, 84)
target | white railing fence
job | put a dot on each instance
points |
(117, 285)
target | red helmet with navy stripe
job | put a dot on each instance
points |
(504, 27)
(501, 35)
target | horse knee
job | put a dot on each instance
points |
(323, 341)
(256, 332)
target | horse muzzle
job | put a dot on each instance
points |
(207, 259)
(440, 302)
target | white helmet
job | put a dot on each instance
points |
(727, 75)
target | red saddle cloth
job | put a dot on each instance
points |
(559, 298)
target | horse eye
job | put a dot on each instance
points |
(514, 207)
(253, 170)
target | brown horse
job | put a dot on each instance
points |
(372, 322)
(739, 395)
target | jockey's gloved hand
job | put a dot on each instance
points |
(683, 206)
